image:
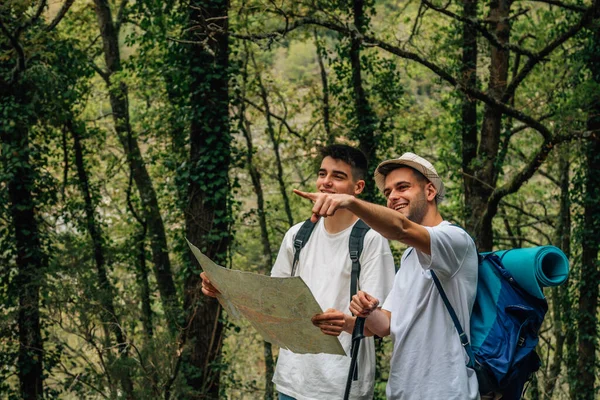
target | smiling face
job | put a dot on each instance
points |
(408, 194)
(335, 176)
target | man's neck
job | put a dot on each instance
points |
(341, 220)
(433, 218)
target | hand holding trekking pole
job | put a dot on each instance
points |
(363, 304)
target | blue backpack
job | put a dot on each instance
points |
(505, 323)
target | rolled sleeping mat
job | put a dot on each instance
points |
(536, 267)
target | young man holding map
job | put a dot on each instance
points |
(325, 266)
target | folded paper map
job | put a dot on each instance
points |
(280, 309)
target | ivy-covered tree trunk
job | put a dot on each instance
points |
(563, 325)
(365, 118)
(208, 215)
(484, 167)
(118, 93)
(588, 289)
(31, 261)
(590, 273)
(469, 106)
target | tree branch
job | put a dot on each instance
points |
(548, 220)
(481, 29)
(505, 108)
(21, 61)
(540, 171)
(104, 74)
(439, 71)
(586, 18)
(120, 15)
(523, 176)
(61, 13)
(36, 16)
(277, 117)
(418, 19)
(521, 238)
(572, 7)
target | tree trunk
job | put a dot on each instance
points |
(142, 277)
(588, 290)
(468, 105)
(118, 93)
(563, 327)
(30, 260)
(208, 215)
(366, 120)
(267, 252)
(264, 232)
(325, 89)
(485, 169)
(275, 142)
(590, 273)
(105, 292)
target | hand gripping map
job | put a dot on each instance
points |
(280, 309)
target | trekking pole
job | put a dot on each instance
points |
(357, 335)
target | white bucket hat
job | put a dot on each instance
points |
(418, 163)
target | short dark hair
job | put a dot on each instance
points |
(350, 155)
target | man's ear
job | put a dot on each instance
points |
(359, 186)
(430, 191)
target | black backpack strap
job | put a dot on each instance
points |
(355, 246)
(464, 340)
(300, 240)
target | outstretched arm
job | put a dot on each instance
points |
(391, 224)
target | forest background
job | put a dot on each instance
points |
(127, 126)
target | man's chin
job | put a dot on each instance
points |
(403, 211)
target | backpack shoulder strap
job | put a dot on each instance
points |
(300, 240)
(355, 246)
(464, 340)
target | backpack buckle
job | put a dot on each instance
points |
(297, 244)
(464, 340)
(354, 256)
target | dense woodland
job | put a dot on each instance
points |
(127, 126)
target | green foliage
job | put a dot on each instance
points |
(408, 108)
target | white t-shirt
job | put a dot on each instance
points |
(428, 360)
(325, 266)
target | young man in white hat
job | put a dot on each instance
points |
(428, 360)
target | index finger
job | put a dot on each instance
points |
(306, 195)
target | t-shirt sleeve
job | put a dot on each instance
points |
(377, 266)
(449, 246)
(283, 264)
